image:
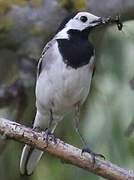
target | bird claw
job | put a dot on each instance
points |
(50, 137)
(93, 155)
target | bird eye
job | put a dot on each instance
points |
(83, 18)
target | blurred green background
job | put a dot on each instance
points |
(24, 29)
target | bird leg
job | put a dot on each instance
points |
(76, 127)
(50, 136)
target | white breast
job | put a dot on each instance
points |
(60, 87)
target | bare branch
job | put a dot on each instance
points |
(64, 151)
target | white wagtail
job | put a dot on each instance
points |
(64, 75)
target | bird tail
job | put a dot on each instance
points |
(29, 160)
(31, 156)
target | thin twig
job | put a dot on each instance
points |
(69, 153)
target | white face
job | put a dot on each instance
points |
(81, 21)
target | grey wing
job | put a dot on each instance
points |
(41, 62)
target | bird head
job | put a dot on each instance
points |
(80, 21)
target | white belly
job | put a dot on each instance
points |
(59, 88)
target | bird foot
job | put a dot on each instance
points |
(50, 137)
(93, 155)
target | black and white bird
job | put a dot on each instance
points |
(64, 75)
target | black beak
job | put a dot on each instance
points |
(100, 21)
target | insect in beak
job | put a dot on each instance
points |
(117, 20)
(119, 23)
(109, 20)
